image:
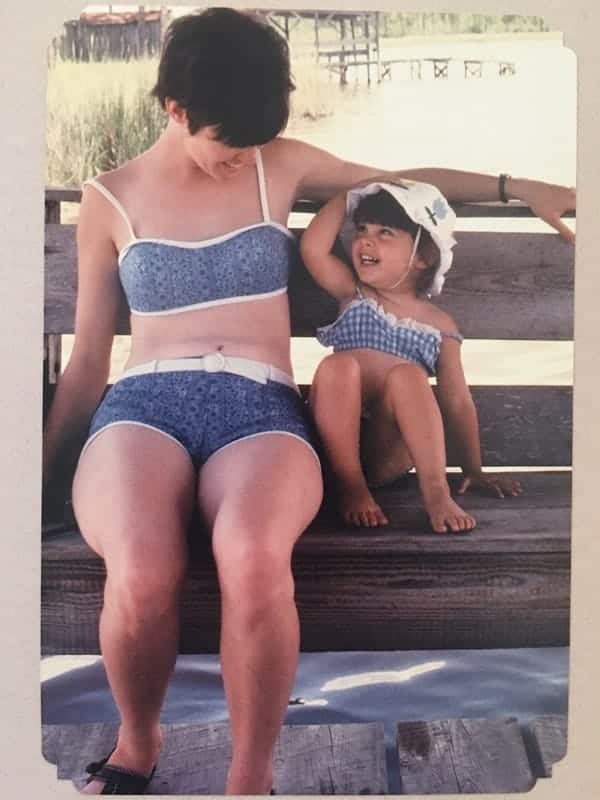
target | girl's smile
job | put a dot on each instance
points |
(381, 253)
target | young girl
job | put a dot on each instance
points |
(371, 398)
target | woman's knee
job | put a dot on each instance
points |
(254, 576)
(141, 586)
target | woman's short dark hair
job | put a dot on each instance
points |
(227, 69)
(380, 208)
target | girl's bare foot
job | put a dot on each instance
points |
(445, 514)
(357, 507)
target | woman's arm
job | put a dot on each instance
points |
(80, 387)
(323, 175)
(460, 418)
(316, 244)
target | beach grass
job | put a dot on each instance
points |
(100, 114)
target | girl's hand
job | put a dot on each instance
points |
(490, 484)
(547, 201)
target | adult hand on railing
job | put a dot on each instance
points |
(548, 201)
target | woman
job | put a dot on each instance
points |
(207, 413)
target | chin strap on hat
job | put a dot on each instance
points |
(412, 257)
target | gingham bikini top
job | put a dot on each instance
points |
(365, 323)
(163, 276)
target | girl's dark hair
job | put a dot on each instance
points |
(229, 69)
(380, 208)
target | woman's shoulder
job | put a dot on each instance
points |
(295, 154)
(117, 177)
(284, 153)
(284, 145)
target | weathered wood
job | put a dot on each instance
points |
(52, 211)
(543, 492)
(503, 286)
(63, 194)
(527, 426)
(309, 759)
(504, 585)
(549, 742)
(492, 210)
(51, 369)
(511, 286)
(463, 756)
(116, 36)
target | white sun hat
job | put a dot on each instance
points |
(424, 204)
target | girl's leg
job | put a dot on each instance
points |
(336, 401)
(258, 494)
(133, 493)
(409, 399)
(384, 454)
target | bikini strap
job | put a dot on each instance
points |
(359, 294)
(113, 201)
(262, 187)
(451, 335)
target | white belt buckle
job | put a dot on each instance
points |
(214, 362)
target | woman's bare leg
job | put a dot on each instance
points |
(259, 495)
(408, 396)
(132, 495)
(336, 401)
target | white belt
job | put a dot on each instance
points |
(216, 362)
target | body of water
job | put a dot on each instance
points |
(524, 124)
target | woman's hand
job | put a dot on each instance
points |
(490, 484)
(547, 201)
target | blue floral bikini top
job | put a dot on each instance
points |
(162, 276)
(365, 323)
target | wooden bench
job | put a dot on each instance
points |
(399, 587)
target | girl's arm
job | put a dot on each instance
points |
(330, 272)
(460, 418)
(80, 387)
(323, 174)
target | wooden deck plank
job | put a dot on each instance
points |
(506, 584)
(463, 756)
(502, 286)
(543, 491)
(536, 521)
(549, 739)
(309, 759)
(355, 603)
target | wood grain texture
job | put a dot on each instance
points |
(507, 584)
(502, 286)
(463, 756)
(309, 759)
(549, 739)
(491, 210)
(528, 426)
